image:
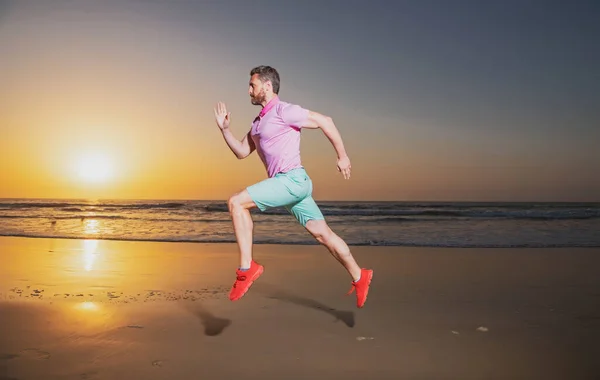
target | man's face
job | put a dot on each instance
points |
(256, 90)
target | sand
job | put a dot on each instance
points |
(74, 309)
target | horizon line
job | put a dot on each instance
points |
(319, 200)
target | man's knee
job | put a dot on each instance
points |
(234, 202)
(239, 201)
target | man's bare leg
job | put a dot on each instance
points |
(239, 209)
(335, 244)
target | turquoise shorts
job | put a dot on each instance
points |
(292, 190)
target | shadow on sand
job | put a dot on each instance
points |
(212, 325)
(273, 292)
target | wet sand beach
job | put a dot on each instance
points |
(88, 309)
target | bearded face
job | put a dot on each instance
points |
(258, 98)
(256, 90)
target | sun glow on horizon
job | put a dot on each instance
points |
(95, 167)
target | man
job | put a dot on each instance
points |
(275, 135)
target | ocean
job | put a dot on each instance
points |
(418, 224)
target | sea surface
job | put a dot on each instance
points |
(433, 224)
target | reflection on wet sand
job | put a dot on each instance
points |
(87, 306)
(89, 253)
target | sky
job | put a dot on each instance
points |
(435, 100)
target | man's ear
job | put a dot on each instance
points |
(269, 85)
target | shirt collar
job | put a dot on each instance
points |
(268, 106)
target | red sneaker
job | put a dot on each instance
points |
(244, 280)
(362, 286)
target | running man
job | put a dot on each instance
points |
(275, 135)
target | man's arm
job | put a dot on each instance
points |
(317, 120)
(241, 149)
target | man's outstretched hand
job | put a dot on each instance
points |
(222, 117)
(343, 166)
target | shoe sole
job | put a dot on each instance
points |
(254, 278)
(370, 278)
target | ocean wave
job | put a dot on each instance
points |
(397, 217)
(386, 211)
(373, 243)
(362, 219)
(114, 217)
(78, 206)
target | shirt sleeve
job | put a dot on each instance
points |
(294, 115)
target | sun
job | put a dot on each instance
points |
(95, 167)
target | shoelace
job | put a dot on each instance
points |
(240, 277)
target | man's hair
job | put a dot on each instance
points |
(266, 73)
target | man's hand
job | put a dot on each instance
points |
(222, 117)
(343, 166)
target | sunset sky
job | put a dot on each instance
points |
(436, 100)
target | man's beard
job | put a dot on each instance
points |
(258, 99)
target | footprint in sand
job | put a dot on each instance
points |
(89, 375)
(4, 356)
(36, 354)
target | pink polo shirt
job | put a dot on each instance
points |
(276, 135)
